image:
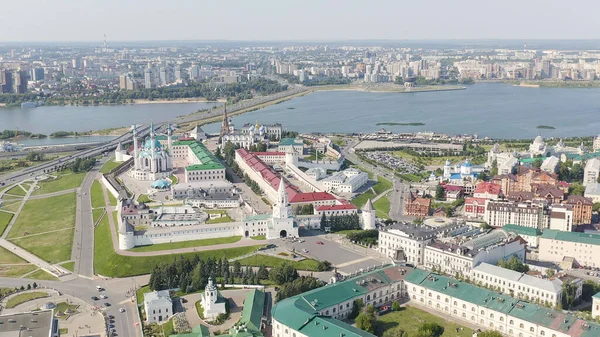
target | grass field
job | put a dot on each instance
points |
(108, 263)
(17, 190)
(349, 231)
(97, 195)
(42, 275)
(199, 309)
(186, 244)
(382, 185)
(109, 165)
(174, 179)
(7, 257)
(96, 213)
(43, 215)
(271, 261)
(362, 168)
(410, 319)
(258, 237)
(11, 205)
(222, 219)
(22, 298)
(382, 205)
(64, 181)
(362, 199)
(144, 198)
(53, 247)
(112, 199)
(4, 220)
(16, 271)
(69, 265)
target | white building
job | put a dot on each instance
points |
(368, 216)
(347, 181)
(405, 242)
(197, 133)
(538, 147)
(500, 213)
(596, 144)
(202, 165)
(212, 302)
(591, 171)
(529, 234)
(556, 246)
(592, 191)
(154, 160)
(546, 291)
(453, 257)
(158, 306)
(506, 161)
(550, 164)
(561, 218)
(207, 194)
(316, 173)
(490, 310)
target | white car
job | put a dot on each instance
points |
(122, 310)
(304, 251)
(103, 296)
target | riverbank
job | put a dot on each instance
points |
(181, 100)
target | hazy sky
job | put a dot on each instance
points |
(129, 20)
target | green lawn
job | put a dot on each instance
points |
(186, 244)
(43, 215)
(199, 309)
(109, 165)
(382, 205)
(362, 199)
(362, 168)
(53, 247)
(69, 265)
(112, 199)
(63, 306)
(16, 270)
(168, 329)
(410, 319)
(108, 263)
(4, 220)
(271, 261)
(42, 275)
(97, 195)
(17, 190)
(382, 185)
(139, 294)
(413, 177)
(258, 237)
(22, 298)
(11, 205)
(222, 219)
(96, 213)
(349, 231)
(64, 181)
(174, 179)
(7, 257)
(144, 198)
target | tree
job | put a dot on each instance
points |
(283, 273)
(323, 265)
(439, 192)
(323, 221)
(576, 189)
(366, 322)
(35, 285)
(396, 306)
(356, 308)
(430, 330)
(596, 207)
(263, 273)
(550, 272)
(398, 80)
(395, 332)
(485, 225)
(537, 163)
(494, 169)
(483, 176)
(569, 290)
(514, 264)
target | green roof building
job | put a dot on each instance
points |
(492, 310)
(250, 323)
(197, 331)
(203, 165)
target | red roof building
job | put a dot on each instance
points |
(487, 190)
(329, 210)
(475, 207)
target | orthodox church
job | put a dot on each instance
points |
(246, 137)
(460, 173)
(153, 160)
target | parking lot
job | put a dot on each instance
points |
(346, 257)
(389, 160)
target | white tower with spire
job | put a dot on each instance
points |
(210, 301)
(368, 216)
(281, 209)
(447, 169)
(169, 137)
(153, 167)
(135, 149)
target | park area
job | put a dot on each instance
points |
(64, 180)
(52, 217)
(410, 319)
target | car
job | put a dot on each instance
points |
(99, 288)
(111, 325)
(122, 310)
(111, 317)
(320, 243)
(302, 241)
(103, 297)
(95, 298)
(106, 304)
(304, 251)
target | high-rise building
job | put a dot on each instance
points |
(546, 69)
(6, 81)
(36, 74)
(162, 76)
(178, 74)
(127, 82)
(76, 63)
(123, 82)
(20, 82)
(148, 78)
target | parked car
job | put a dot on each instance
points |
(95, 298)
(103, 297)
(320, 243)
(106, 304)
(122, 310)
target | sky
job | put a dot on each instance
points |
(310, 20)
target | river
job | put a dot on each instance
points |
(489, 109)
(48, 119)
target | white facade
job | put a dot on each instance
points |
(153, 161)
(555, 246)
(158, 306)
(592, 191)
(561, 218)
(368, 216)
(596, 302)
(400, 239)
(500, 213)
(550, 164)
(212, 304)
(347, 181)
(591, 172)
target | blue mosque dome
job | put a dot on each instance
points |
(148, 144)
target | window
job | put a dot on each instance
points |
(438, 297)
(521, 326)
(542, 333)
(531, 329)
(464, 306)
(511, 322)
(482, 312)
(501, 319)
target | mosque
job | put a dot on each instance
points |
(153, 161)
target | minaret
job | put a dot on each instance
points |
(152, 148)
(368, 216)
(225, 124)
(281, 207)
(169, 137)
(135, 149)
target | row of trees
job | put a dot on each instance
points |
(340, 222)
(305, 210)
(82, 164)
(298, 286)
(366, 237)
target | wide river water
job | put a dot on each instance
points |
(488, 109)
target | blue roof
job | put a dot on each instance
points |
(455, 176)
(161, 184)
(148, 144)
(467, 164)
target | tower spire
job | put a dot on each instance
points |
(225, 124)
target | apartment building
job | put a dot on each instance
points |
(556, 246)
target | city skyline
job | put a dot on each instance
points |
(294, 21)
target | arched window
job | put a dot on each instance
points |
(491, 315)
(368, 297)
(511, 322)
(438, 297)
(531, 329)
(455, 303)
(501, 319)
(482, 312)
(464, 306)
(543, 333)
(521, 325)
